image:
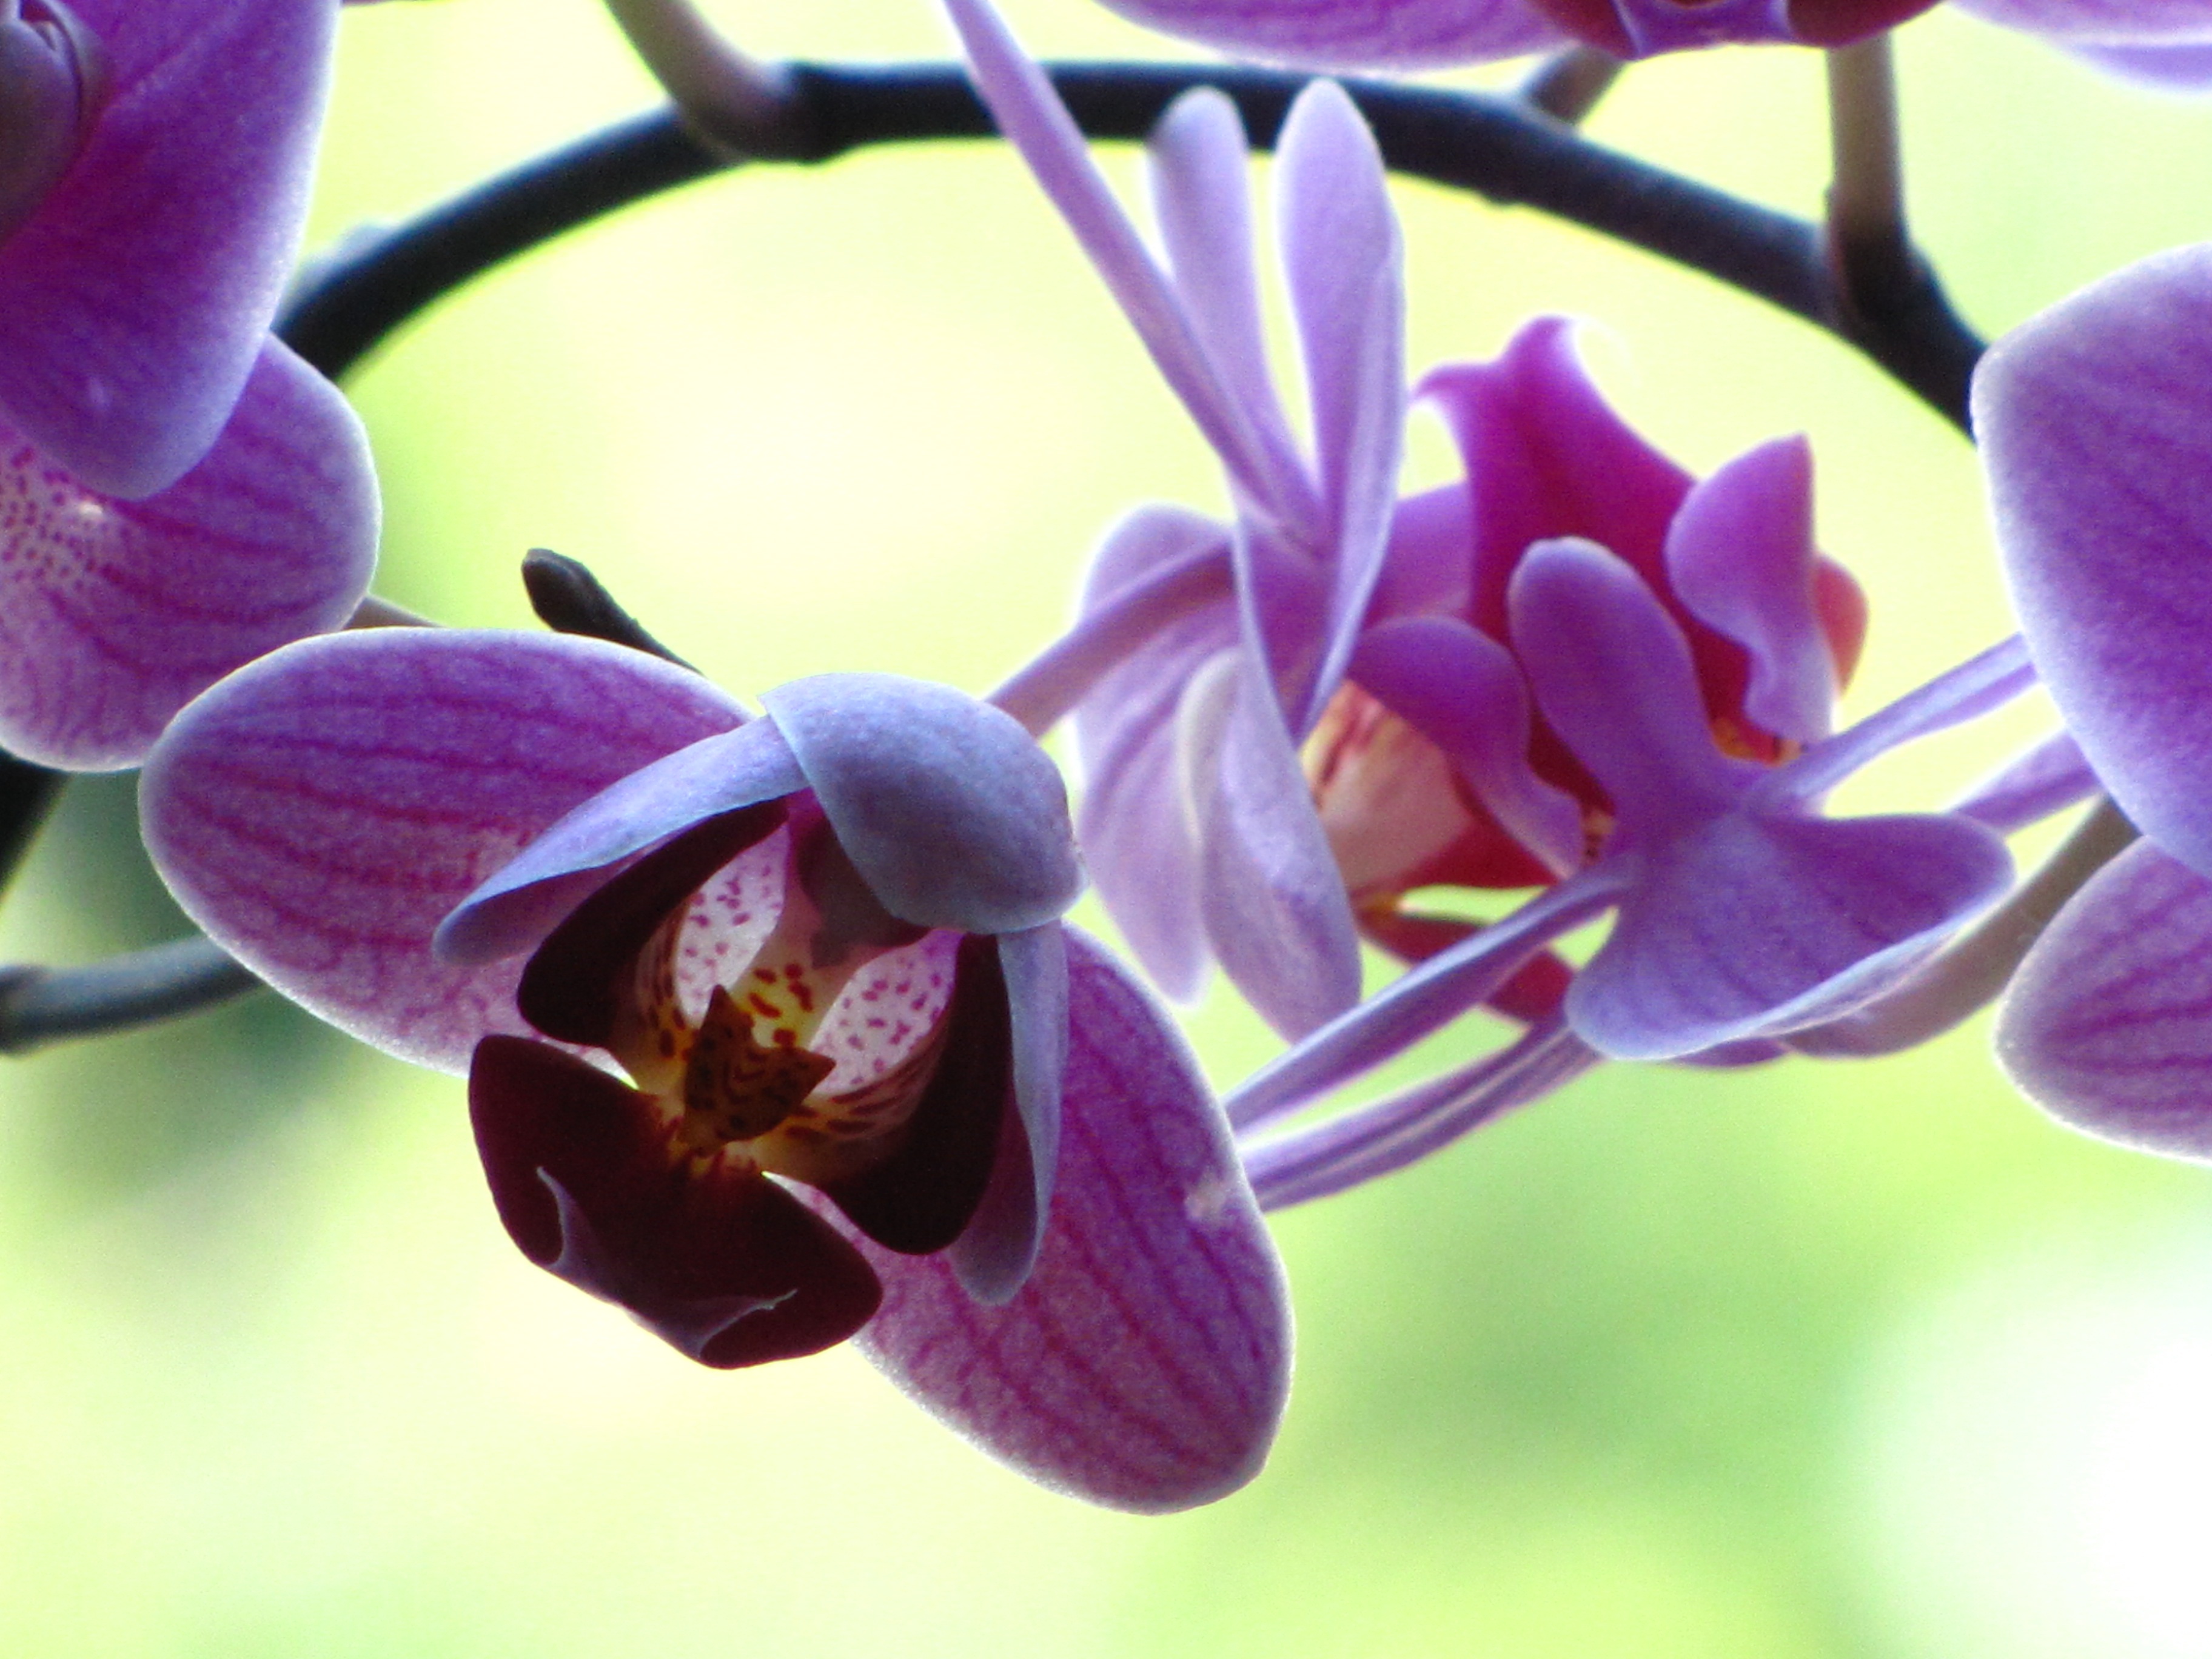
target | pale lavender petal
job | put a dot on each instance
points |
(1657, 26)
(1034, 122)
(115, 614)
(1988, 680)
(133, 304)
(1461, 690)
(2095, 420)
(993, 1256)
(1613, 674)
(1741, 558)
(1198, 164)
(1274, 901)
(1383, 1136)
(2108, 1024)
(1751, 927)
(1428, 568)
(946, 806)
(1181, 569)
(518, 904)
(1135, 833)
(1329, 34)
(1343, 264)
(2102, 22)
(2049, 778)
(1283, 597)
(319, 812)
(2183, 68)
(1423, 999)
(1145, 1363)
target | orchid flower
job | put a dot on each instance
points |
(774, 1034)
(1582, 671)
(2096, 424)
(178, 492)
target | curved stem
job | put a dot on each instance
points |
(43, 1005)
(1494, 146)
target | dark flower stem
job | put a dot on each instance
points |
(40, 1005)
(1497, 146)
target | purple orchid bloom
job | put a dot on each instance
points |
(2096, 424)
(824, 948)
(1582, 669)
(1411, 34)
(181, 492)
(2159, 42)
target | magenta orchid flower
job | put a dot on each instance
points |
(774, 1036)
(181, 492)
(2096, 424)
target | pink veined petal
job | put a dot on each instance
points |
(948, 809)
(2108, 1024)
(2102, 22)
(1132, 829)
(1343, 264)
(1180, 566)
(993, 1256)
(1197, 163)
(1274, 904)
(1426, 998)
(1752, 926)
(1329, 34)
(134, 302)
(2095, 420)
(320, 810)
(1460, 689)
(115, 614)
(1741, 555)
(1612, 674)
(1034, 122)
(519, 904)
(1145, 1364)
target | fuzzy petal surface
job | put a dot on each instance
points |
(1753, 926)
(1145, 1363)
(134, 302)
(321, 811)
(2108, 1022)
(114, 614)
(1376, 34)
(948, 809)
(2095, 420)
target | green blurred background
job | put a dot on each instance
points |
(1802, 1363)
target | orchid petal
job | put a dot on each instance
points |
(947, 808)
(1343, 262)
(1198, 164)
(1034, 122)
(1613, 676)
(113, 613)
(2049, 778)
(1179, 569)
(321, 810)
(2186, 67)
(1659, 26)
(1282, 606)
(1274, 905)
(1428, 568)
(1741, 556)
(134, 301)
(1146, 1362)
(993, 1256)
(1382, 1137)
(2101, 23)
(1987, 680)
(1461, 690)
(718, 1262)
(522, 902)
(1134, 832)
(1423, 999)
(1327, 35)
(1752, 926)
(2108, 1024)
(2097, 435)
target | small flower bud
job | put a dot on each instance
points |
(53, 81)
